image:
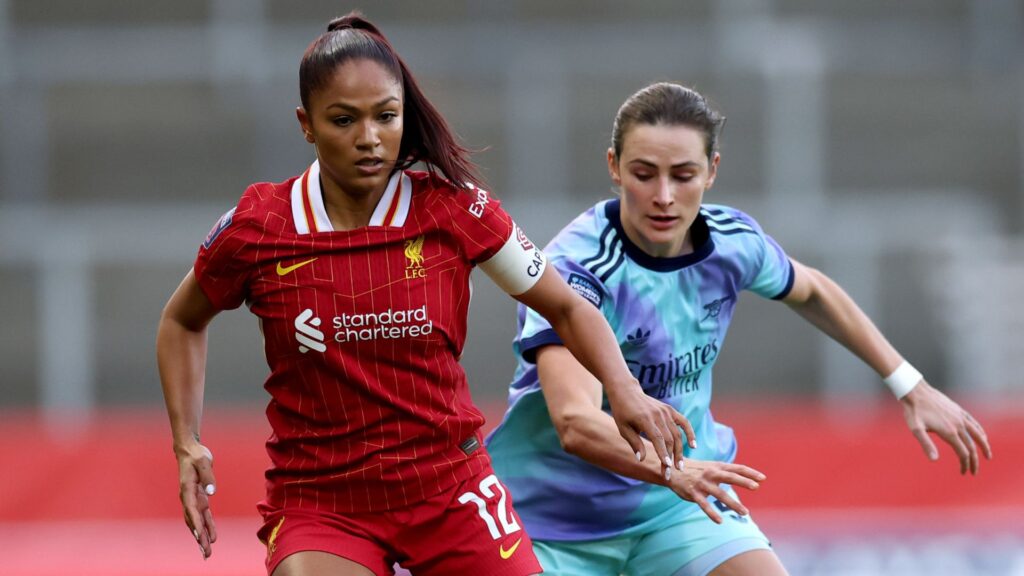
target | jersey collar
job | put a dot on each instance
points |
(705, 245)
(310, 215)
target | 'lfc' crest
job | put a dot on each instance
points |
(414, 254)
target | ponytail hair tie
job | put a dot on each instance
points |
(353, 20)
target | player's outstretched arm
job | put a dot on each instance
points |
(823, 303)
(573, 397)
(587, 335)
(181, 357)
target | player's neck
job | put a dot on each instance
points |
(348, 211)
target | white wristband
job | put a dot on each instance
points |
(903, 379)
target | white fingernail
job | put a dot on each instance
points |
(668, 474)
(196, 534)
(693, 444)
(638, 456)
(210, 489)
(668, 461)
(680, 464)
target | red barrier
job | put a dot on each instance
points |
(121, 465)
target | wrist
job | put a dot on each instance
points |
(903, 379)
(621, 385)
(185, 443)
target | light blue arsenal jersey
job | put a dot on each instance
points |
(670, 316)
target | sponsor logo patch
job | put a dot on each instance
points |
(586, 288)
(219, 227)
(481, 202)
(307, 332)
(523, 240)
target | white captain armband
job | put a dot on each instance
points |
(517, 266)
(903, 379)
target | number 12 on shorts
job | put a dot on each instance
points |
(508, 522)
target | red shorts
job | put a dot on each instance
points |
(468, 529)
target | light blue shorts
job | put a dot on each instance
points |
(694, 546)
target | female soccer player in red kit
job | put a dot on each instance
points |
(358, 270)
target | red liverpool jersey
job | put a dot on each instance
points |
(363, 330)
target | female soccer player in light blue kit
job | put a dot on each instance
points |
(666, 270)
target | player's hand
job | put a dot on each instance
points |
(196, 485)
(702, 478)
(636, 413)
(927, 410)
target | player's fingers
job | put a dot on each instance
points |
(204, 468)
(962, 453)
(684, 423)
(195, 521)
(188, 524)
(726, 477)
(978, 433)
(926, 443)
(673, 438)
(730, 502)
(206, 514)
(190, 506)
(655, 435)
(677, 437)
(972, 448)
(745, 471)
(708, 508)
(635, 442)
(211, 527)
(203, 530)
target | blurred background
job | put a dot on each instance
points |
(882, 143)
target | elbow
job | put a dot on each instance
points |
(571, 432)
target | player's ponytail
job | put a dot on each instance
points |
(426, 137)
(355, 20)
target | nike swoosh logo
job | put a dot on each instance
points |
(506, 554)
(282, 270)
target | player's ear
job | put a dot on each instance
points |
(305, 124)
(713, 171)
(613, 168)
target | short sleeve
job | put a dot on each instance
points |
(480, 223)
(773, 277)
(222, 267)
(536, 332)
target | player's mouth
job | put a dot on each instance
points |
(662, 222)
(370, 166)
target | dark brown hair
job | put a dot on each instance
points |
(672, 105)
(426, 136)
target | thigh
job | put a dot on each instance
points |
(694, 546)
(751, 563)
(470, 529)
(590, 558)
(303, 542)
(314, 563)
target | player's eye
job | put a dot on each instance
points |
(388, 117)
(342, 121)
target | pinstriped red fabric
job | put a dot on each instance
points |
(363, 330)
